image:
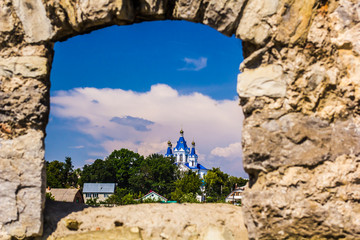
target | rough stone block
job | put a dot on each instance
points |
(36, 24)
(6, 18)
(223, 15)
(263, 81)
(322, 197)
(85, 14)
(154, 8)
(187, 10)
(26, 66)
(295, 21)
(254, 25)
(22, 184)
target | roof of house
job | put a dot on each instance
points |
(199, 166)
(152, 192)
(239, 189)
(64, 194)
(99, 188)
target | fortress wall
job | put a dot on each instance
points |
(299, 89)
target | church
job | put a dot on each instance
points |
(186, 158)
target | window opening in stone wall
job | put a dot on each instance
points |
(136, 86)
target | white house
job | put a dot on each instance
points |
(154, 196)
(101, 191)
(235, 196)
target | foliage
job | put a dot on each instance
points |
(135, 175)
(116, 168)
(49, 196)
(125, 164)
(156, 173)
(92, 202)
(128, 199)
(188, 197)
(99, 171)
(239, 181)
(150, 200)
(61, 174)
(122, 197)
(190, 183)
(219, 184)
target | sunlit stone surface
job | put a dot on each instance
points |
(299, 91)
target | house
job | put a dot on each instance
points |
(235, 196)
(101, 191)
(66, 194)
(154, 196)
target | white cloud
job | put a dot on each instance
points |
(77, 147)
(232, 150)
(89, 161)
(144, 148)
(193, 64)
(144, 122)
(97, 154)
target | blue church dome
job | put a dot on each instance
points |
(193, 153)
(169, 151)
(181, 144)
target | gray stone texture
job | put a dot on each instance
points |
(299, 89)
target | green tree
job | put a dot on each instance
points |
(216, 185)
(219, 184)
(54, 174)
(93, 202)
(116, 168)
(60, 174)
(187, 187)
(122, 196)
(71, 178)
(128, 199)
(100, 171)
(156, 173)
(189, 198)
(239, 181)
(124, 163)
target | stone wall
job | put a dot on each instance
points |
(299, 90)
(300, 94)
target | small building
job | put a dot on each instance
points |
(235, 196)
(154, 196)
(100, 191)
(66, 194)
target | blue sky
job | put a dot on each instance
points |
(136, 86)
